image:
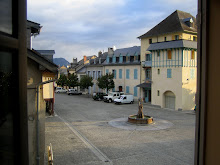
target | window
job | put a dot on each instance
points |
(135, 74)
(127, 58)
(107, 59)
(192, 74)
(169, 73)
(176, 37)
(127, 89)
(158, 71)
(158, 93)
(194, 38)
(93, 76)
(148, 73)
(88, 73)
(148, 57)
(127, 73)
(165, 38)
(158, 53)
(120, 59)
(150, 41)
(114, 73)
(135, 91)
(106, 71)
(192, 55)
(113, 90)
(120, 73)
(169, 54)
(110, 59)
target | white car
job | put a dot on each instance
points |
(60, 90)
(125, 99)
(111, 96)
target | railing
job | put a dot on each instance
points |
(146, 63)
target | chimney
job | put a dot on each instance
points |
(110, 51)
(84, 58)
(74, 60)
(99, 54)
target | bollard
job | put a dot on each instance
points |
(50, 154)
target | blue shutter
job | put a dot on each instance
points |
(135, 74)
(127, 73)
(107, 59)
(120, 73)
(127, 89)
(113, 59)
(115, 75)
(169, 73)
(106, 71)
(135, 91)
(120, 59)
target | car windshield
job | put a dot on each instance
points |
(110, 94)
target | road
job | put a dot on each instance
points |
(80, 133)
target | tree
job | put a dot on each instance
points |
(106, 82)
(86, 82)
(62, 80)
(72, 80)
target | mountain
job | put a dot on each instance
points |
(61, 61)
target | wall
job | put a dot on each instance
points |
(48, 89)
(131, 82)
(162, 83)
(34, 77)
(188, 88)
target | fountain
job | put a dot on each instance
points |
(140, 118)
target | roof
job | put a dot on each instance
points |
(176, 22)
(35, 27)
(135, 50)
(144, 85)
(95, 61)
(37, 57)
(46, 52)
(173, 44)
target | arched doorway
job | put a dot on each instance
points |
(170, 100)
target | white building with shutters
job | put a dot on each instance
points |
(125, 65)
(95, 70)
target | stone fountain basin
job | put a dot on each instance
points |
(134, 120)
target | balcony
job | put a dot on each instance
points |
(146, 64)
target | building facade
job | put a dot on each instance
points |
(125, 65)
(168, 55)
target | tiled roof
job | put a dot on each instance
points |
(127, 51)
(173, 44)
(176, 22)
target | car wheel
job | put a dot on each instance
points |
(58, 92)
(132, 102)
(110, 100)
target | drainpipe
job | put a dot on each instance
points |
(37, 128)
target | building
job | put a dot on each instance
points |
(125, 65)
(40, 68)
(95, 70)
(169, 56)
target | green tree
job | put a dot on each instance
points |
(106, 82)
(86, 82)
(62, 80)
(72, 80)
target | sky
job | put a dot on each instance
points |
(74, 28)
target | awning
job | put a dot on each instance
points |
(144, 85)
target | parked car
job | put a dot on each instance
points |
(124, 99)
(112, 95)
(73, 92)
(60, 90)
(99, 96)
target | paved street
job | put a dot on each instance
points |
(81, 133)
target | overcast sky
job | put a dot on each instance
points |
(74, 28)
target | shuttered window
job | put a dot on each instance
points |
(127, 73)
(135, 91)
(169, 73)
(169, 54)
(135, 74)
(127, 89)
(120, 73)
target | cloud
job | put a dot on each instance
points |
(74, 28)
